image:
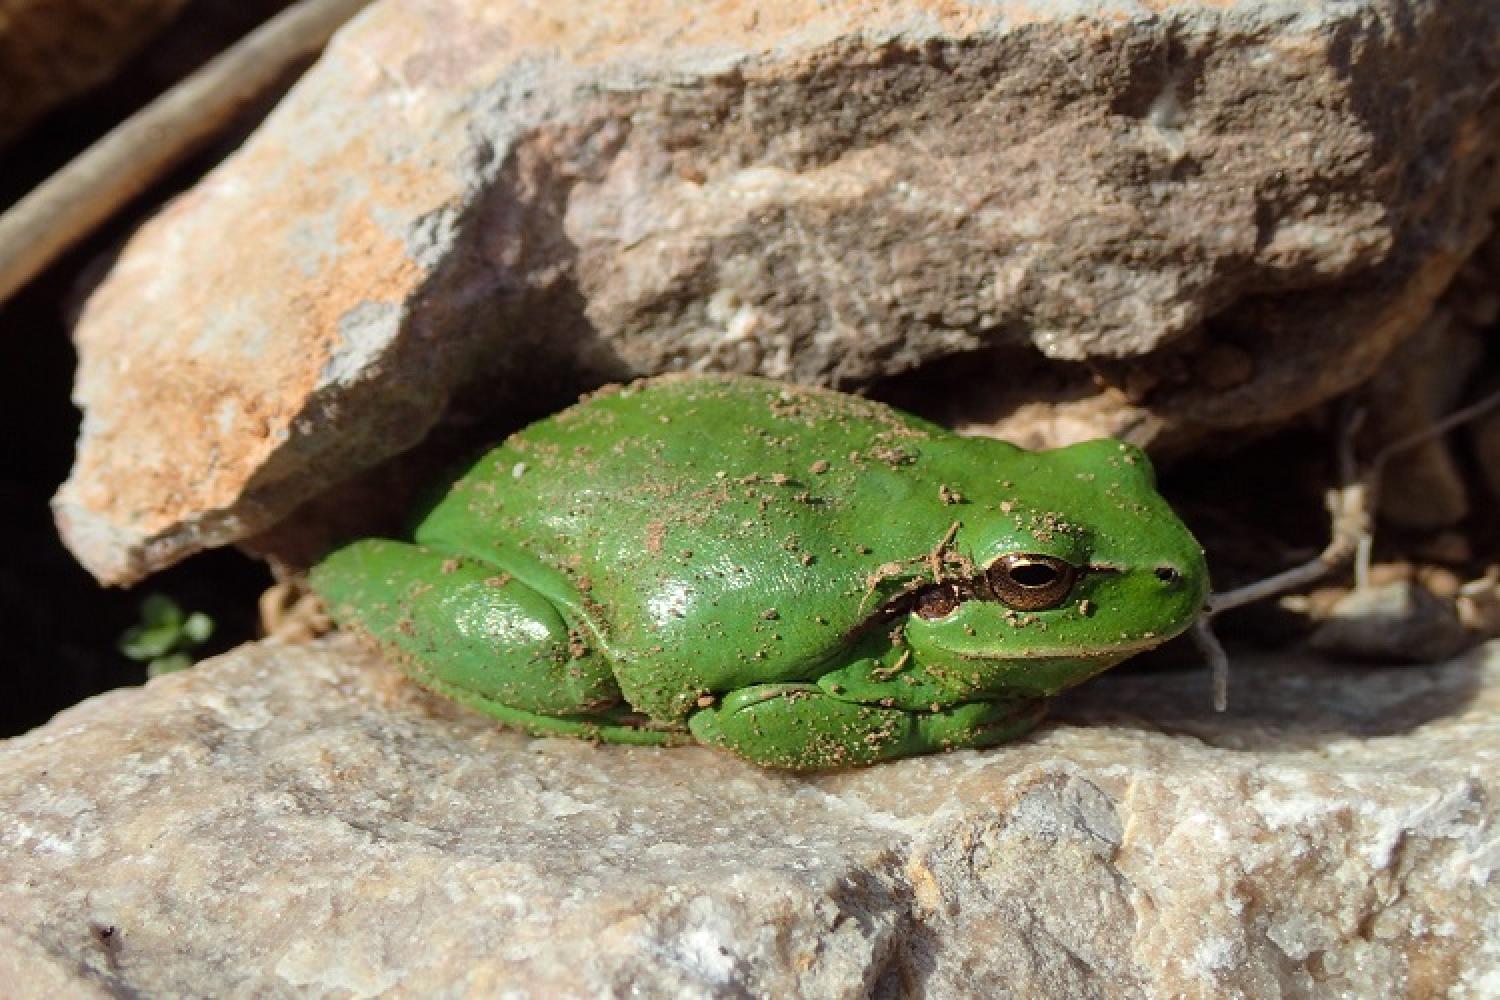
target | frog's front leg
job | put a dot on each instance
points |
(902, 684)
(802, 727)
(477, 635)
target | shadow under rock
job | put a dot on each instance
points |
(1288, 701)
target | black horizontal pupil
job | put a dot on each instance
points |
(1033, 575)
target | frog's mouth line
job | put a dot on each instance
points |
(1120, 650)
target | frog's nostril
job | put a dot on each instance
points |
(1168, 574)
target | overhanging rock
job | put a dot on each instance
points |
(465, 198)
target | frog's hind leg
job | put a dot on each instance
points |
(479, 637)
(803, 728)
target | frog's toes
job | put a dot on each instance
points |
(797, 726)
(801, 727)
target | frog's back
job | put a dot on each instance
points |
(705, 529)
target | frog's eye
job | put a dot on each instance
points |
(936, 602)
(1029, 582)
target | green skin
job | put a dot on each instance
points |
(751, 565)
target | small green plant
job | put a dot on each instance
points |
(166, 637)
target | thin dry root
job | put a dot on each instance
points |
(103, 178)
(1352, 517)
(1218, 661)
(1352, 508)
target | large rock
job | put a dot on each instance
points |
(1229, 210)
(298, 820)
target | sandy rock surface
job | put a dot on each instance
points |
(299, 820)
(1168, 218)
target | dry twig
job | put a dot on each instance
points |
(1352, 508)
(73, 202)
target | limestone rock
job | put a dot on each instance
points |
(1393, 622)
(51, 51)
(465, 200)
(299, 820)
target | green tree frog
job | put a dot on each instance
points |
(804, 578)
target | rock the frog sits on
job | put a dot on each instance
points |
(804, 578)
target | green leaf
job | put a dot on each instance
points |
(168, 664)
(159, 609)
(144, 642)
(197, 628)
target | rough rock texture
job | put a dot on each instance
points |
(300, 821)
(51, 50)
(469, 197)
(1397, 622)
